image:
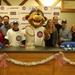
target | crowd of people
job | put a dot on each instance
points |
(13, 36)
(61, 34)
(10, 35)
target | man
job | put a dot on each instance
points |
(6, 26)
(15, 36)
(57, 25)
(65, 33)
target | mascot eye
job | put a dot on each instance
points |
(38, 14)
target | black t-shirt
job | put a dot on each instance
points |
(73, 36)
(58, 26)
(48, 43)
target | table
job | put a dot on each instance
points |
(37, 54)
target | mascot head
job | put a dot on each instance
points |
(36, 17)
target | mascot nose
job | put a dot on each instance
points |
(38, 14)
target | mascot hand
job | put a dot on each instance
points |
(22, 45)
(46, 34)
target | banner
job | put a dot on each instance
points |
(19, 12)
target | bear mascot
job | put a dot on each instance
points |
(35, 32)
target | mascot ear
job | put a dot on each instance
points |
(26, 17)
(45, 18)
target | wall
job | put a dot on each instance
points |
(70, 18)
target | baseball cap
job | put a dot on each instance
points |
(64, 21)
(32, 10)
(15, 22)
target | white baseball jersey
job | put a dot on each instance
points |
(35, 35)
(15, 37)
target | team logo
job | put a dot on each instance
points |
(24, 8)
(45, 8)
(39, 34)
(2, 7)
(18, 38)
(23, 18)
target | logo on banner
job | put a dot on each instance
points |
(12, 13)
(24, 8)
(56, 13)
(23, 18)
(14, 7)
(2, 7)
(45, 8)
(39, 34)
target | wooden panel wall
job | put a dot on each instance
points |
(49, 68)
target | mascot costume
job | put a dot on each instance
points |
(35, 32)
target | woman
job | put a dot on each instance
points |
(73, 32)
(53, 41)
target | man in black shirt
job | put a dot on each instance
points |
(57, 25)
